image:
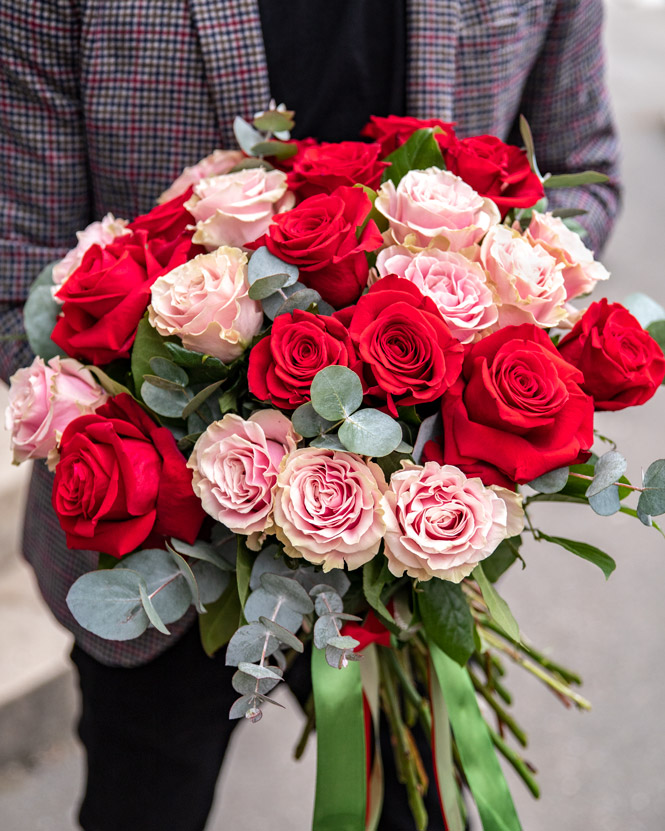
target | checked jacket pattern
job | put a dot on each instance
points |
(103, 104)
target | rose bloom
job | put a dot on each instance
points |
(580, 271)
(217, 163)
(282, 366)
(323, 167)
(97, 233)
(43, 399)
(518, 410)
(499, 171)
(393, 130)
(122, 483)
(435, 207)
(528, 281)
(108, 294)
(623, 366)
(235, 464)
(457, 285)
(205, 302)
(408, 353)
(236, 208)
(327, 508)
(441, 524)
(321, 237)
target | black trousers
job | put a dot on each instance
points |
(155, 738)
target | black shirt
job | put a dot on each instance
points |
(335, 62)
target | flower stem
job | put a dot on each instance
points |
(502, 715)
(517, 762)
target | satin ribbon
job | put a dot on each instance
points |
(474, 743)
(442, 756)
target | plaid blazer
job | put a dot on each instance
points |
(102, 104)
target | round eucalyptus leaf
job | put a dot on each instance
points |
(273, 304)
(644, 308)
(344, 642)
(242, 706)
(157, 568)
(40, 314)
(267, 562)
(257, 671)
(370, 433)
(211, 581)
(324, 630)
(327, 602)
(150, 610)
(335, 579)
(339, 658)
(329, 442)
(168, 370)
(108, 603)
(247, 644)
(168, 403)
(204, 551)
(246, 684)
(606, 502)
(274, 149)
(283, 635)
(251, 163)
(301, 299)
(274, 121)
(263, 264)
(265, 286)
(262, 603)
(308, 422)
(337, 392)
(608, 469)
(290, 590)
(246, 135)
(652, 499)
(429, 429)
(551, 482)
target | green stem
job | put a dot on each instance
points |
(517, 762)
(411, 693)
(503, 716)
(307, 728)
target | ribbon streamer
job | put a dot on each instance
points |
(369, 672)
(474, 743)
(442, 755)
(341, 780)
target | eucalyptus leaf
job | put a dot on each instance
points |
(201, 550)
(211, 581)
(150, 610)
(188, 574)
(301, 299)
(551, 482)
(587, 552)
(262, 603)
(447, 619)
(148, 344)
(308, 422)
(244, 563)
(497, 606)
(336, 392)
(370, 432)
(264, 264)
(606, 502)
(310, 579)
(108, 603)
(247, 644)
(162, 383)
(652, 499)
(272, 305)
(338, 658)
(283, 635)
(257, 671)
(165, 368)
(325, 628)
(289, 590)
(165, 402)
(344, 642)
(40, 314)
(430, 428)
(242, 706)
(274, 149)
(265, 286)
(246, 136)
(609, 468)
(329, 442)
(268, 562)
(573, 180)
(275, 121)
(644, 308)
(246, 684)
(326, 602)
(375, 576)
(171, 594)
(251, 163)
(220, 622)
(201, 397)
(657, 332)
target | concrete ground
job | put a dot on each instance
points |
(599, 771)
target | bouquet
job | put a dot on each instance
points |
(313, 394)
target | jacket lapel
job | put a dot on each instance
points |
(432, 27)
(231, 41)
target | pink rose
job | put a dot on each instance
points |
(327, 508)
(235, 464)
(435, 207)
(528, 281)
(441, 524)
(205, 302)
(99, 233)
(580, 271)
(237, 208)
(457, 286)
(43, 399)
(217, 163)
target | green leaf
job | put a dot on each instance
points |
(200, 398)
(502, 558)
(150, 610)
(165, 368)
(220, 622)
(326, 600)
(275, 121)
(446, 617)
(392, 463)
(258, 672)
(573, 180)
(245, 684)
(201, 551)
(264, 264)
(283, 635)
(242, 706)
(551, 482)
(657, 332)
(108, 603)
(265, 286)
(375, 576)
(608, 469)
(107, 383)
(40, 314)
(148, 344)
(188, 574)
(529, 146)
(428, 430)
(289, 591)
(420, 152)
(325, 629)
(246, 135)
(274, 149)
(210, 579)
(244, 562)
(248, 643)
(497, 606)
(606, 502)
(370, 432)
(587, 552)
(308, 422)
(165, 402)
(336, 392)
(163, 579)
(301, 299)
(652, 499)
(329, 442)
(262, 603)
(251, 163)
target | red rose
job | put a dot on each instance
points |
(320, 236)
(107, 295)
(517, 407)
(282, 366)
(120, 480)
(393, 130)
(623, 366)
(496, 170)
(408, 354)
(323, 167)
(169, 221)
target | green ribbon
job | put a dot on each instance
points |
(474, 743)
(341, 787)
(443, 757)
(369, 672)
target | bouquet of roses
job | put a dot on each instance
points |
(303, 394)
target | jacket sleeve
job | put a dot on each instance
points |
(567, 105)
(44, 182)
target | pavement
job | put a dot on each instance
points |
(599, 771)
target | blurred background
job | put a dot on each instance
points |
(599, 770)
